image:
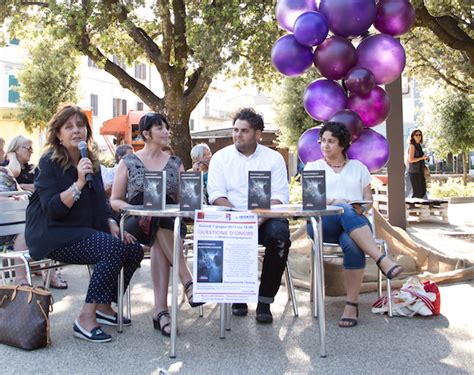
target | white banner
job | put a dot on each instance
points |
(225, 257)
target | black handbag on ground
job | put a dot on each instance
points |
(24, 316)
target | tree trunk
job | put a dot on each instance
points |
(180, 136)
(465, 166)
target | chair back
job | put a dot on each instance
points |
(12, 214)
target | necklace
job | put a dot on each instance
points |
(334, 165)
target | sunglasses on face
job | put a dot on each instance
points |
(30, 149)
(417, 135)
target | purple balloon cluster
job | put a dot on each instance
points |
(379, 59)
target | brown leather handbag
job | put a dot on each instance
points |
(24, 316)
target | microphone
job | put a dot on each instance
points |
(82, 146)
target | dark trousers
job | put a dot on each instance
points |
(274, 234)
(418, 183)
(109, 255)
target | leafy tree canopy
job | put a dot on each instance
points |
(188, 42)
(48, 80)
(440, 47)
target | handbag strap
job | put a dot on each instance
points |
(48, 327)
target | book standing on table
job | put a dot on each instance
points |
(154, 192)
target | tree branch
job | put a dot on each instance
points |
(446, 29)
(168, 34)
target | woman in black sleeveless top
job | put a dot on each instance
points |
(416, 164)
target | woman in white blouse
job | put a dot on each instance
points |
(348, 181)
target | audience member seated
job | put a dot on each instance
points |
(19, 153)
(108, 174)
(201, 156)
(68, 221)
(2, 150)
(156, 232)
(346, 181)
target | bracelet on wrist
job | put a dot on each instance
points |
(76, 193)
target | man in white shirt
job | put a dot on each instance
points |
(228, 186)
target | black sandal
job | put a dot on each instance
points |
(188, 289)
(351, 322)
(392, 272)
(157, 323)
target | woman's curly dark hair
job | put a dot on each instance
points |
(339, 131)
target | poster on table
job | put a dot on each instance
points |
(225, 257)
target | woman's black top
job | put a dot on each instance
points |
(417, 167)
(50, 224)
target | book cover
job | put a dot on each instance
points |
(210, 256)
(154, 190)
(314, 190)
(190, 191)
(260, 189)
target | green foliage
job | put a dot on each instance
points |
(291, 117)
(453, 187)
(440, 48)
(296, 195)
(448, 121)
(49, 79)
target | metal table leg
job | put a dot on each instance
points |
(318, 267)
(175, 291)
(223, 316)
(121, 282)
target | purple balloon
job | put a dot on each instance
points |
(334, 57)
(287, 11)
(311, 28)
(394, 17)
(359, 81)
(309, 148)
(323, 98)
(373, 109)
(291, 58)
(371, 149)
(348, 18)
(383, 55)
(351, 121)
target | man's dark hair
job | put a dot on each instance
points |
(338, 131)
(121, 151)
(253, 118)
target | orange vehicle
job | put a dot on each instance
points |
(125, 129)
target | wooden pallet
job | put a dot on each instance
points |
(418, 209)
(427, 209)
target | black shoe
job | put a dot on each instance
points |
(239, 309)
(110, 320)
(264, 314)
(96, 335)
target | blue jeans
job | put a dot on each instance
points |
(336, 229)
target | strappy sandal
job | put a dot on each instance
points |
(157, 323)
(350, 322)
(188, 289)
(57, 282)
(392, 272)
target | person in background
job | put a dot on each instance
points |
(201, 156)
(416, 164)
(228, 186)
(128, 188)
(348, 180)
(2, 151)
(19, 153)
(108, 174)
(67, 220)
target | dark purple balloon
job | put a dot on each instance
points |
(394, 17)
(371, 149)
(383, 55)
(291, 58)
(309, 148)
(373, 109)
(334, 57)
(311, 28)
(351, 120)
(287, 11)
(359, 81)
(348, 18)
(323, 98)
